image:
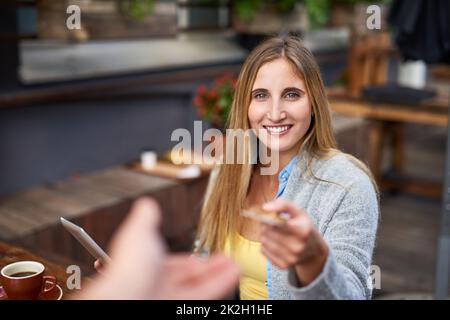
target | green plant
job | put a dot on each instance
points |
(136, 9)
(318, 11)
(214, 104)
(246, 9)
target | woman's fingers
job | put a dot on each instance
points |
(299, 223)
(279, 250)
(273, 245)
(285, 240)
(286, 244)
(302, 227)
(282, 205)
(274, 258)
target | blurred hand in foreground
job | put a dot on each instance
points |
(140, 268)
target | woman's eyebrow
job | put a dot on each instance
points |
(292, 89)
(260, 90)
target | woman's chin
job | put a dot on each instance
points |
(279, 146)
(280, 149)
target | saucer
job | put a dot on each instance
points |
(55, 294)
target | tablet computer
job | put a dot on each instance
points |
(85, 240)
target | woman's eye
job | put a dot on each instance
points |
(260, 96)
(292, 95)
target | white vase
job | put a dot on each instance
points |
(412, 74)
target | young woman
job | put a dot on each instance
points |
(324, 251)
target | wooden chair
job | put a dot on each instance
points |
(368, 65)
(368, 61)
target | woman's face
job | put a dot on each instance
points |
(280, 110)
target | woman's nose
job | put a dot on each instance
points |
(276, 112)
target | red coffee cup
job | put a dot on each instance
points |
(25, 280)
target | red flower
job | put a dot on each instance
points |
(198, 101)
(202, 90)
(202, 111)
(207, 99)
(213, 94)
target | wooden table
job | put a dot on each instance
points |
(387, 121)
(98, 202)
(10, 254)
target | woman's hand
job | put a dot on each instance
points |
(296, 244)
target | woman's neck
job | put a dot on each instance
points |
(283, 159)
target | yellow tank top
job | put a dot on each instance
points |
(247, 254)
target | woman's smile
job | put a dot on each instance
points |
(278, 130)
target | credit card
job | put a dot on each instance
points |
(270, 218)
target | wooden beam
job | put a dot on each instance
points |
(83, 88)
(413, 185)
(398, 113)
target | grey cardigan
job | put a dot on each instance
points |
(345, 211)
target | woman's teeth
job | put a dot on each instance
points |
(277, 129)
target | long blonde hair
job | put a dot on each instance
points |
(226, 197)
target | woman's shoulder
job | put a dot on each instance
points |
(342, 169)
(342, 176)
